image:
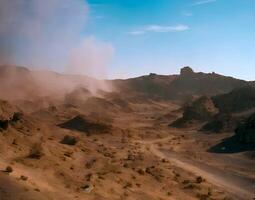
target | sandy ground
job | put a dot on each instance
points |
(239, 186)
(140, 158)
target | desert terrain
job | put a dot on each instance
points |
(173, 137)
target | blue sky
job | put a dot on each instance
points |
(163, 35)
(129, 37)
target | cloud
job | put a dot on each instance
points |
(203, 2)
(159, 29)
(187, 14)
(137, 32)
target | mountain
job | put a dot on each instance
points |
(181, 87)
(196, 84)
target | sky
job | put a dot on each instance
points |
(163, 35)
(128, 38)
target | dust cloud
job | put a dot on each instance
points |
(46, 35)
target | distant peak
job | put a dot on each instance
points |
(152, 74)
(186, 71)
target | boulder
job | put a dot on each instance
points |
(69, 140)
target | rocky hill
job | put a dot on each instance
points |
(229, 109)
(188, 84)
(191, 83)
(181, 87)
(202, 109)
(152, 85)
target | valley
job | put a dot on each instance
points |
(117, 145)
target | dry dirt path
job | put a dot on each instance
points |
(239, 186)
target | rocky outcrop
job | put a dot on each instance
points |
(246, 130)
(242, 141)
(231, 108)
(201, 110)
(186, 71)
(6, 110)
(190, 83)
(69, 140)
(8, 114)
(238, 100)
(220, 122)
(83, 124)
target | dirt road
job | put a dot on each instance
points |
(239, 186)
